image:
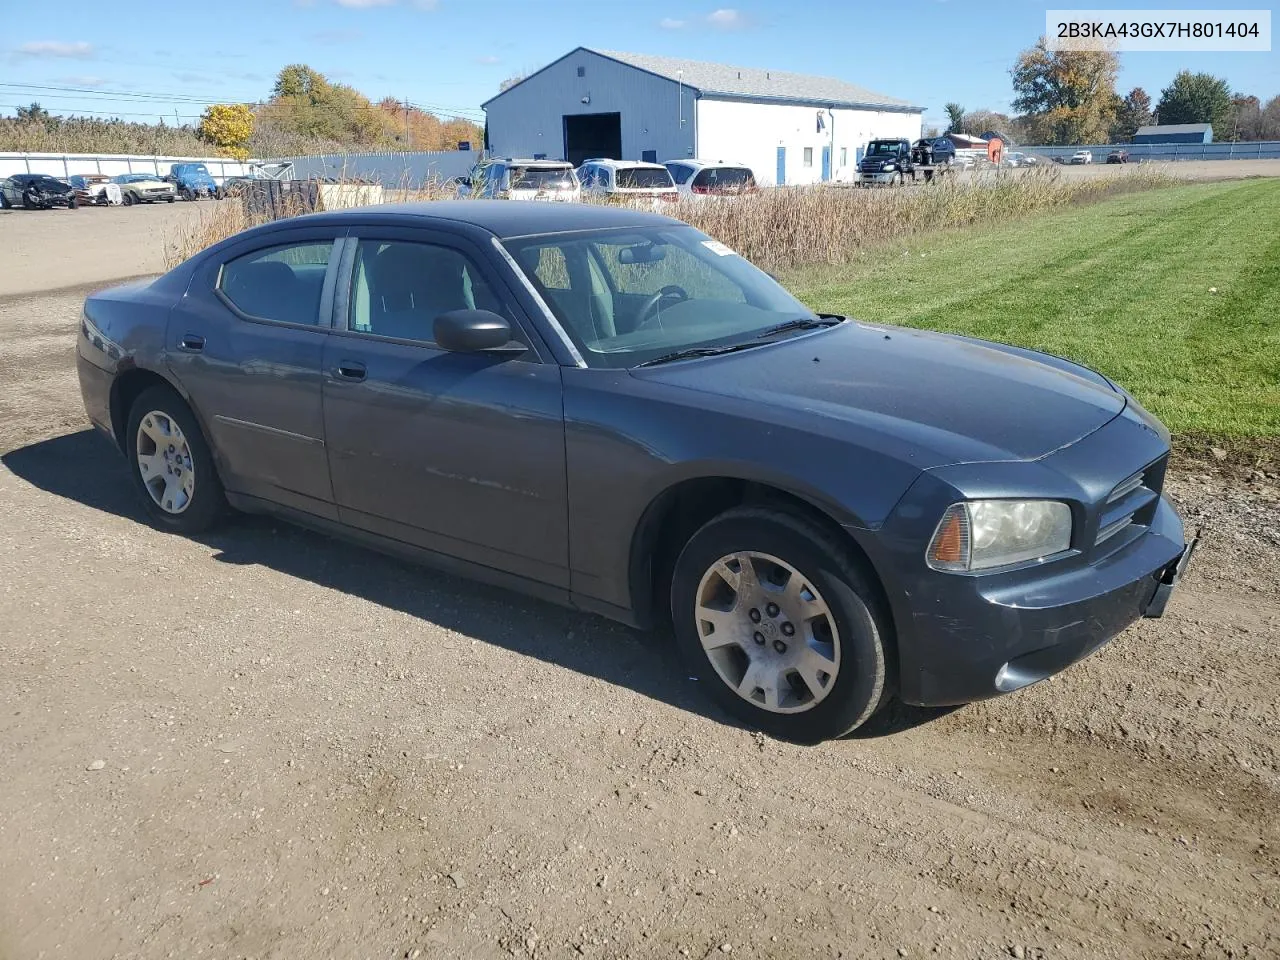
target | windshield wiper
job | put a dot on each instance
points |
(692, 352)
(801, 323)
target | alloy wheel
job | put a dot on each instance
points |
(767, 632)
(165, 462)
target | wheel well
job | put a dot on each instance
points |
(126, 389)
(681, 510)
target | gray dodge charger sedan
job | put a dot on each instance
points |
(609, 409)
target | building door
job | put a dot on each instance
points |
(826, 163)
(782, 167)
(592, 136)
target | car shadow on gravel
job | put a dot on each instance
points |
(83, 467)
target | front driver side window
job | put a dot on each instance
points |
(399, 288)
(280, 283)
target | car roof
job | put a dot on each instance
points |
(502, 218)
(692, 162)
(625, 164)
(528, 162)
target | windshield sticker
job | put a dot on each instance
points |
(718, 248)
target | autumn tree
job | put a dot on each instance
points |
(228, 126)
(305, 103)
(1196, 98)
(1066, 96)
(1132, 111)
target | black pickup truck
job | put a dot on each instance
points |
(893, 162)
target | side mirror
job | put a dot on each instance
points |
(471, 331)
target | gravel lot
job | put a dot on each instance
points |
(265, 743)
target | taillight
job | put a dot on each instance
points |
(703, 190)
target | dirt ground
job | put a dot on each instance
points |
(264, 743)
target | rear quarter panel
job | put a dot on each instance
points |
(122, 329)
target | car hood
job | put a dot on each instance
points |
(950, 399)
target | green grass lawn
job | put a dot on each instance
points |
(1122, 286)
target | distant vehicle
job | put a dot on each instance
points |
(193, 181)
(711, 178)
(938, 151)
(37, 191)
(1028, 160)
(510, 178)
(91, 187)
(1118, 156)
(144, 188)
(892, 162)
(1082, 156)
(623, 179)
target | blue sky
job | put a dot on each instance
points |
(450, 55)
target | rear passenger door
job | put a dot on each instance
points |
(247, 344)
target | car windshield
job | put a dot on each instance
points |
(133, 177)
(628, 296)
(725, 178)
(882, 148)
(643, 178)
(542, 178)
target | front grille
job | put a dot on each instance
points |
(1132, 502)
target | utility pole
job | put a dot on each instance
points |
(407, 142)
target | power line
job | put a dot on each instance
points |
(109, 113)
(55, 92)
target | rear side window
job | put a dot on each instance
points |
(679, 172)
(280, 283)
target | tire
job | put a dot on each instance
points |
(853, 629)
(74, 204)
(170, 198)
(127, 199)
(190, 500)
(898, 179)
(185, 194)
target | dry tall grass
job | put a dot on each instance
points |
(797, 226)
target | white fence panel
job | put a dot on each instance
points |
(69, 164)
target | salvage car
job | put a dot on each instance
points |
(37, 191)
(92, 188)
(144, 188)
(611, 410)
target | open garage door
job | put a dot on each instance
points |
(590, 136)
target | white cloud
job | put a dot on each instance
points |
(670, 23)
(81, 80)
(77, 50)
(488, 60)
(727, 18)
(362, 4)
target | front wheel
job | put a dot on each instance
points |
(171, 463)
(781, 625)
(170, 198)
(186, 194)
(127, 199)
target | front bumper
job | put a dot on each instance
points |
(883, 176)
(978, 637)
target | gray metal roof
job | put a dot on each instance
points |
(1174, 128)
(752, 83)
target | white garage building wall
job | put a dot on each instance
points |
(751, 133)
(528, 118)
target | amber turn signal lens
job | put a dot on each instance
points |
(948, 544)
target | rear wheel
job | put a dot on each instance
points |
(781, 625)
(171, 464)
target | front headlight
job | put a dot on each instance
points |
(887, 165)
(981, 534)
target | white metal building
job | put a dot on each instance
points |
(789, 128)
